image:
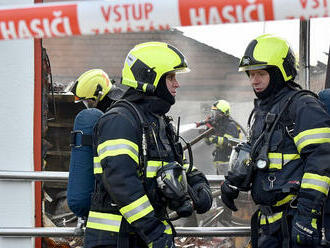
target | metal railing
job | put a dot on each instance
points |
(72, 231)
(60, 176)
(63, 176)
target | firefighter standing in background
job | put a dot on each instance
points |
(286, 161)
(138, 160)
(224, 129)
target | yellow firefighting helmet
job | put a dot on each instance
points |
(269, 51)
(147, 62)
(223, 106)
(92, 85)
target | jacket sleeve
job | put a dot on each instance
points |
(118, 153)
(312, 139)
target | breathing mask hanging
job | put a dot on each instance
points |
(240, 166)
(172, 181)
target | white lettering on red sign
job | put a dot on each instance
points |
(227, 14)
(120, 18)
(38, 23)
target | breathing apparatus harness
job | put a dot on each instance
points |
(171, 177)
(271, 120)
(261, 161)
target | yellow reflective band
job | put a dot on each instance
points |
(276, 159)
(97, 166)
(312, 136)
(220, 141)
(271, 218)
(186, 166)
(285, 200)
(289, 157)
(117, 147)
(137, 209)
(228, 135)
(144, 87)
(222, 163)
(104, 221)
(168, 229)
(153, 167)
(316, 182)
(314, 225)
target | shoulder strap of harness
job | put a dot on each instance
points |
(271, 121)
(140, 118)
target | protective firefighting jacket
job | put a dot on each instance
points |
(126, 199)
(225, 129)
(298, 153)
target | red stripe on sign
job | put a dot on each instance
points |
(201, 12)
(39, 22)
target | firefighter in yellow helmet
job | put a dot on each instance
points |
(285, 162)
(95, 89)
(224, 128)
(140, 170)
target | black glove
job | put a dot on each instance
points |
(203, 198)
(201, 193)
(182, 208)
(164, 241)
(304, 231)
(228, 194)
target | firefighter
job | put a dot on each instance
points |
(139, 161)
(95, 89)
(224, 128)
(286, 160)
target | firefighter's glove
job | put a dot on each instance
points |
(228, 194)
(199, 191)
(182, 207)
(164, 241)
(304, 231)
(203, 199)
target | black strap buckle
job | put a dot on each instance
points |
(73, 138)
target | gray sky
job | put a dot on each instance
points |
(233, 38)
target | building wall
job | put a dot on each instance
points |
(214, 74)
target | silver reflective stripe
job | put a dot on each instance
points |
(152, 169)
(130, 59)
(104, 221)
(315, 182)
(137, 210)
(97, 165)
(312, 136)
(276, 161)
(117, 147)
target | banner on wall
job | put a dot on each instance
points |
(61, 19)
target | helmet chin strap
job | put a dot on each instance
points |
(98, 99)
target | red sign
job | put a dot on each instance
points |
(201, 12)
(37, 22)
